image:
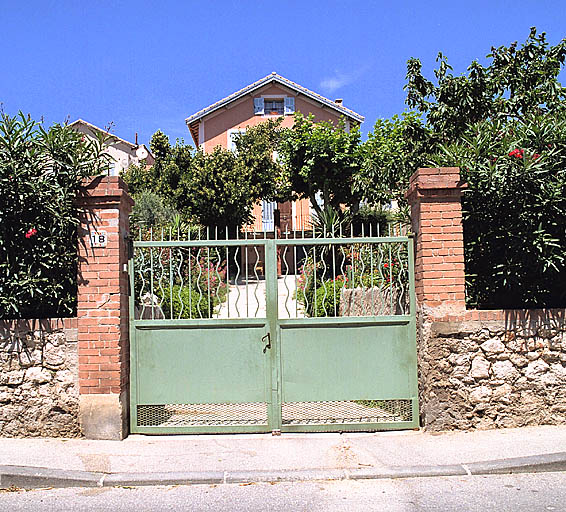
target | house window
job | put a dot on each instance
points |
(274, 107)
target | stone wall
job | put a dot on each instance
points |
(492, 369)
(39, 393)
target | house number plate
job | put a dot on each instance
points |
(98, 238)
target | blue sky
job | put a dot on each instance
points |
(147, 65)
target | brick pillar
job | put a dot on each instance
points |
(103, 336)
(434, 196)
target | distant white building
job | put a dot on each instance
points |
(123, 153)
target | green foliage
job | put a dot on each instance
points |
(189, 303)
(40, 175)
(165, 177)
(517, 81)
(216, 189)
(376, 218)
(149, 210)
(394, 150)
(514, 211)
(256, 151)
(330, 222)
(217, 192)
(139, 178)
(321, 158)
(327, 299)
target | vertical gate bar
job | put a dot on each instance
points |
(296, 289)
(352, 266)
(362, 270)
(285, 278)
(371, 270)
(391, 312)
(411, 268)
(256, 277)
(274, 354)
(190, 279)
(334, 275)
(237, 276)
(171, 281)
(247, 291)
(227, 277)
(208, 267)
(314, 282)
(151, 283)
(132, 339)
(412, 333)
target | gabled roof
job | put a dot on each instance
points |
(274, 77)
(115, 138)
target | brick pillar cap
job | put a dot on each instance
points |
(438, 179)
(108, 188)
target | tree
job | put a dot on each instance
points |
(257, 152)
(518, 81)
(320, 158)
(394, 150)
(218, 193)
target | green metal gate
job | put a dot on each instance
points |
(220, 342)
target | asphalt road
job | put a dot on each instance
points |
(530, 492)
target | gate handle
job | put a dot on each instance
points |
(268, 336)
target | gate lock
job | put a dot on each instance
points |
(268, 337)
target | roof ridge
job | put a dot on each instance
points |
(273, 76)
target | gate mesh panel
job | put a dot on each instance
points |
(183, 415)
(359, 411)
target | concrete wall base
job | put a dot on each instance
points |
(104, 416)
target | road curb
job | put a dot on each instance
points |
(34, 477)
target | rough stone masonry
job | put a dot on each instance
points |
(39, 378)
(508, 372)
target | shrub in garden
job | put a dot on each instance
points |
(326, 301)
(149, 211)
(187, 303)
(40, 175)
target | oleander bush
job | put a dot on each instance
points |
(40, 175)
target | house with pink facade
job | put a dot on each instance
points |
(272, 96)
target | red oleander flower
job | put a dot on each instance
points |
(517, 153)
(535, 156)
(31, 232)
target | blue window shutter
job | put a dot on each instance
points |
(258, 106)
(290, 105)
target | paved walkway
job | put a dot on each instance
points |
(144, 460)
(248, 300)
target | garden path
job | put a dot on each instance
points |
(248, 300)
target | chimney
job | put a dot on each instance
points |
(338, 101)
(136, 138)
